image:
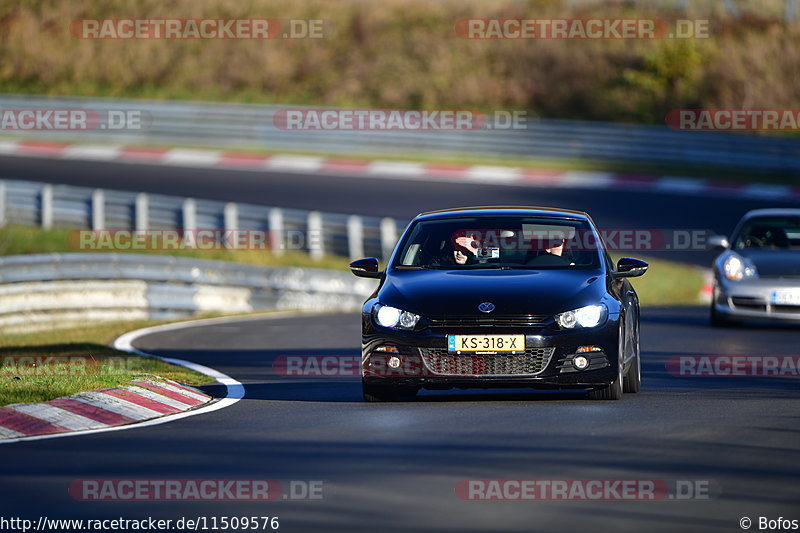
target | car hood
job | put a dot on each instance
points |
(773, 263)
(459, 292)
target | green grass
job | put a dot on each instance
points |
(667, 283)
(26, 375)
(18, 240)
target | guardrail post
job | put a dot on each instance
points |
(2, 204)
(355, 237)
(47, 206)
(388, 236)
(98, 209)
(189, 210)
(189, 215)
(314, 237)
(230, 220)
(141, 214)
(276, 230)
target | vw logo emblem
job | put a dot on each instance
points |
(486, 307)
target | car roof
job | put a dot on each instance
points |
(488, 210)
(772, 212)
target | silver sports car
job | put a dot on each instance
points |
(757, 276)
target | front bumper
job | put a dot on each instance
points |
(752, 299)
(548, 352)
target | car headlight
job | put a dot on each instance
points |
(392, 317)
(584, 317)
(736, 269)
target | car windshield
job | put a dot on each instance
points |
(500, 243)
(770, 233)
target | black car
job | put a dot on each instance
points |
(500, 297)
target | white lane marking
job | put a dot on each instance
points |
(156, 397)
(116, 405)
(56, 415)
(294, 163)
(8, 147)
(193, 158)
(492, 174)
(679, 184)
(179, 390)
(581, 178)
(766, 190)
(92, 151)
(396, 168)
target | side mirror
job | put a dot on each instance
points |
(719, 242)
(628, 267)
(365, 268)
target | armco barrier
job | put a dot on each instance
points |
(252, 126)
(37, 204)
(45, 290)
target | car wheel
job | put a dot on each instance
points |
(384, 393)
(613, 391)
(719, 321)
(633, 378)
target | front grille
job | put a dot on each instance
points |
(785, 308)
(497, 321)
(533, 361)
(748, 302)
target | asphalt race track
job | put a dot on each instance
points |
(394, 467)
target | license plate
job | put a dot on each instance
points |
(786, 297)
(485, 343)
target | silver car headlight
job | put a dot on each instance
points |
(735, 268)
(392, 317)
(584, 317)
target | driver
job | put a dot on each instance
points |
(553, 253)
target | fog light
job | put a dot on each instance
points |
(394, 362)
(580, 362)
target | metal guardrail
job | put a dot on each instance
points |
(46, 205)
(39, 291)
(241, 125)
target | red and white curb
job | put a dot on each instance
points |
(139, 400)
(377, 169)
(140, 403)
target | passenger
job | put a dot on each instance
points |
(552, 255)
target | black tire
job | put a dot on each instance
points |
(385, 393)
(719, 321)
(632, 383)
(612, 392)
